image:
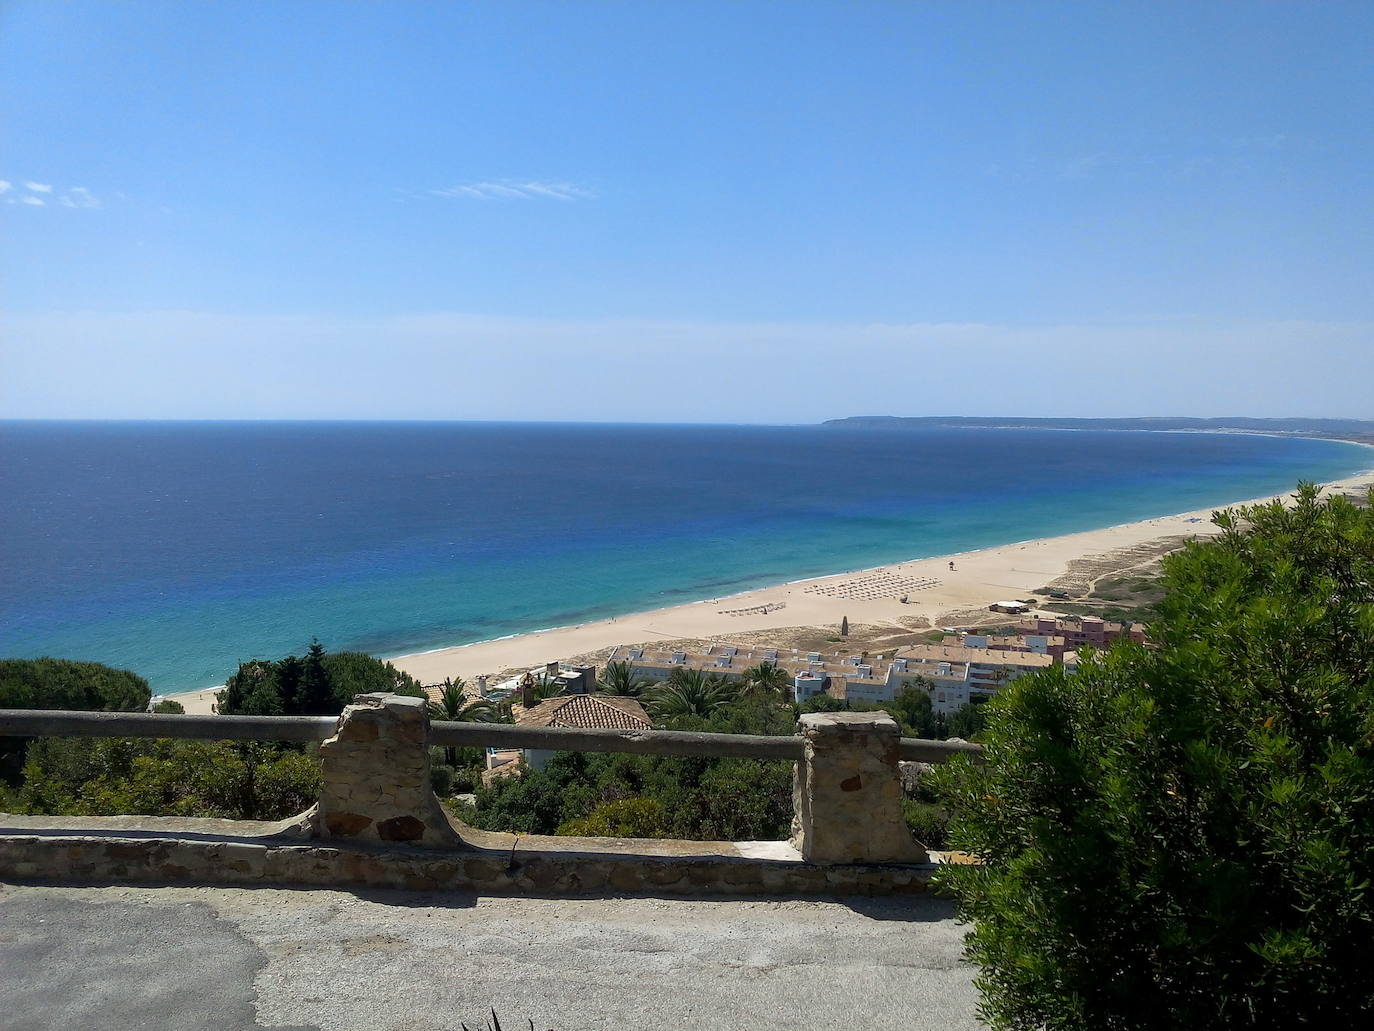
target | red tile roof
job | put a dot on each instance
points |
(591, 712)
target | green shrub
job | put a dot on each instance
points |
(454, 780)
(461, 809)
(1184, 837)
(466, 778)
(62, 684)
(929, 823)
(968, 721)
(159, 777)
(702, 799)
(441, 780)
(625, 818)
(316, 684)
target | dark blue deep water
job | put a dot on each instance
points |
(178, 549)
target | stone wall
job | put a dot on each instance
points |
(171, 851)
(378, 824)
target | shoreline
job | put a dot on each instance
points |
(981, 576)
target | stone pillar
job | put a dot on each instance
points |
(847, 791)
(376, 776)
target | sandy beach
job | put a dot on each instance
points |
(868, 597)
(936, 596)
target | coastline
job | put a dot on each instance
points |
(981, 576)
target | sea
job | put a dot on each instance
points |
(180, 549)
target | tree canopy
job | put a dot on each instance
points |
(766, 678)
(1184, 836)
(251, 781)
(654, 796)
(64, 684)
(118, 776)
(320, 684)
(619, 678)
(690, 692)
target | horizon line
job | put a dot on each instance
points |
(667, 422)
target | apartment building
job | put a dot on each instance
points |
(1053, 645)
(1080, 631)
(957, 673)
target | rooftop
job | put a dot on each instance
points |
(735, 659)
(590, 712)
(1010, 640)
(1072, 623)
(958, 653)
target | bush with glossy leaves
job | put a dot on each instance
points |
(1184, 837)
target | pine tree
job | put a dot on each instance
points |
(317, 693)
(288, 674)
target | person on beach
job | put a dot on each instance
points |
(951, 567)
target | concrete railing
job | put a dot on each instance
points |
(375, 765)
(63, 723)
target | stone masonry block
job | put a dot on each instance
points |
(376, 784)
(846, 791)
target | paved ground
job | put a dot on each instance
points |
(216, 958)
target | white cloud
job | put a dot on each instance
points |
(80, 197)
(38, 195)
(515, 189)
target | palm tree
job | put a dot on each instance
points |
(765, 678)
(619, 679)
(453, 705)
(690, 692)
(536, 687)
(546, 686)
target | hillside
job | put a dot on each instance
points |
(1337, 429)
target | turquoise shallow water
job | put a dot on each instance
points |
(179, 549)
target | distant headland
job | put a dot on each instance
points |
(1361, 430)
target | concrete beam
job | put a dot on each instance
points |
(56, 723)
(635, 742)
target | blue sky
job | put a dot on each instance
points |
(764, 212)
